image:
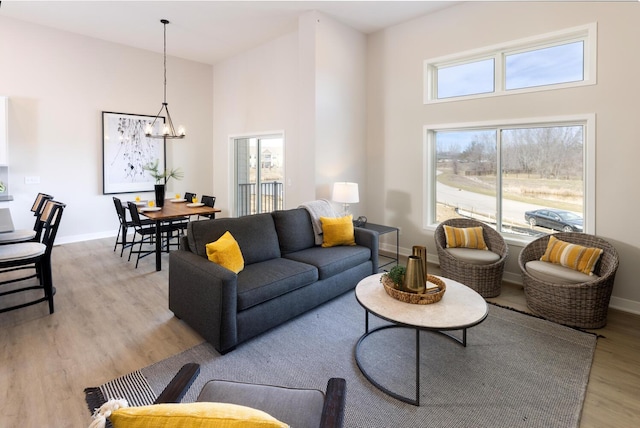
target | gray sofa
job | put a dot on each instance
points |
(285, 274)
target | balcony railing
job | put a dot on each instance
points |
(271, 197)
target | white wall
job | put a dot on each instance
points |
(58, 84)
(340, 88)
(307, 84)
(397, 115)
(256, 93)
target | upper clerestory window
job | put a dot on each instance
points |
(551, 61)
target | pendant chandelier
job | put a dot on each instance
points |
(168, 131)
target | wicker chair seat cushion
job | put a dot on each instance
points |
(474, 256)
(557, 274)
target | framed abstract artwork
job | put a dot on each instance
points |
(126, 150)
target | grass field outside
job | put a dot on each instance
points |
(552, 193)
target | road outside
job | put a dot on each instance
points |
(484, 206)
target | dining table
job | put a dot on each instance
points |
(173, 209)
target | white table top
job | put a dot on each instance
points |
(460, 306)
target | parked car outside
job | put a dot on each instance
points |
(564, 221)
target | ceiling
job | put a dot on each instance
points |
(207, 31)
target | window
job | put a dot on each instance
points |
(259, 174)
(526, 179)
(466, 79)
(545, 66)
(550, 61)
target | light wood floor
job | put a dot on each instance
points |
(111, 319)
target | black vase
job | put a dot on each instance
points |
(160, 188)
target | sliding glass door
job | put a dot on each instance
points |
(259, 166)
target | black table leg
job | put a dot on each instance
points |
(158, 245)
(417, 403)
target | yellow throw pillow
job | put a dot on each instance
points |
(193, 415)
(465, 237)
(337, 231)
(577, 257)
(226, 252)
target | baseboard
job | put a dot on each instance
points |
(625, 305)
(60, 240)
(512, 277)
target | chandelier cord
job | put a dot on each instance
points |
(165, 22)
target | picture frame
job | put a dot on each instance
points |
(126, 150)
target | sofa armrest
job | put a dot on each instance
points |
(368, 238)
(204, 295)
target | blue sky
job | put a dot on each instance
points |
(556, 64)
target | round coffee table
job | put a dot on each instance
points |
(460, 308)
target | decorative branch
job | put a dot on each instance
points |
(152, 168)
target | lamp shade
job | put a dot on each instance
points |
(346, 193)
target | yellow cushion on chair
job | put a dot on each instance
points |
(193, 415)
(337, 231)
(465, 237)
(577, 257)
(226, 252)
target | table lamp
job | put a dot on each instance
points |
(346, 193)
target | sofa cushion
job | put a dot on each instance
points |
(556, 274)
(264, 281)
(334, 260)
(294, 228)
(256, 235)
(473, 256)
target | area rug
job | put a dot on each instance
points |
(516, 371)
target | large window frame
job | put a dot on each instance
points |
(588, 121)
(498, 53)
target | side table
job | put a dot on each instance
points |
(382, 229)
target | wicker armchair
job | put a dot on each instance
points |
(485, 279)
(583, 305)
